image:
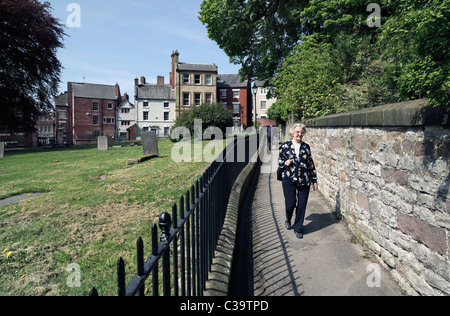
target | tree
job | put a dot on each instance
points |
(256, 34)
(29, 68)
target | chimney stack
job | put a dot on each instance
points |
(136, 82)
(142, 80)
(160, 81)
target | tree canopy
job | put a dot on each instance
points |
(323, 57)
(29, 68)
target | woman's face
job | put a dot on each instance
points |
(297, 136)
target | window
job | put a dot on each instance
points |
(186, 79)
(186, 99)
(208, 98)
(166, 105)
(110, 106)
(166, 116)
(235, 94)
(125, 111)
(208, 79)
(108, 120)
(197, 98)
(223, 94)
(236, 107)
(263, 105)
(95, 106)
(62, 115)
(145, 104)
(125, 123)
(197, 79)
(145, 116)
(95, 119)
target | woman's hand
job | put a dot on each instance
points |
(288, 162)
(316, 187)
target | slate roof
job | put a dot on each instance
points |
(155, 92)
(231, 81)
(94, 91)
(61, 100)
(197, 67)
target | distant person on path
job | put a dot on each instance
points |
(269, 137)
(298, 176)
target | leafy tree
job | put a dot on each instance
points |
(331, 60)
(257, 34)
(416, 44)
(29, 69)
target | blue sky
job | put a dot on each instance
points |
(119, 40)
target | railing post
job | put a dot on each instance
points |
(121, 277)
(175, 250)
(140, 263)
(155, 283)
(164, 224)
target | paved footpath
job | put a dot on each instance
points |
(324, 262)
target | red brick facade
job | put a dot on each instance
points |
(92, 112)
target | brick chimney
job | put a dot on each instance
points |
(173, 74)
(136, 82)
(142, 80)
(160, 81)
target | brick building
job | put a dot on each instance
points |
(236, 95)
(92, 111)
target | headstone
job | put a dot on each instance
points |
(150, 144)
(102, 143)
(2, 149)
(60, 137)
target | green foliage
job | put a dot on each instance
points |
(324, 56)
(212, 115)
(29, 66)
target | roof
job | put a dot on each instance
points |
(197, 67)
(231, 81)
(94, 91)
(155, 92)
(61, 100)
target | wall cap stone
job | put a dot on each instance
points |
(410, 113)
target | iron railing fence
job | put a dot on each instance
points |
(189, 236)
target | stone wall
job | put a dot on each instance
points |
(386, 170)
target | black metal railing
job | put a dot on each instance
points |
(184, 252)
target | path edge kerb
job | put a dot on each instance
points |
(219, 278)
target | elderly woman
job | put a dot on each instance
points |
(298, 176)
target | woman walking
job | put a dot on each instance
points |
(298, 176)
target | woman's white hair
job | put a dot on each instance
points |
(296, 125)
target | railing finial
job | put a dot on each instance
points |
(165, 222)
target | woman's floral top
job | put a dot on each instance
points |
(302, 170)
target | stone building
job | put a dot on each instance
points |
(194, 84)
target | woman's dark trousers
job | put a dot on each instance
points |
(296, 198)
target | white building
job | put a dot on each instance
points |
(126, 118)
(155, 107)
(262, 102)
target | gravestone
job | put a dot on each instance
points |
(60, 137)
(2, 149)
(150, 144)
(102, 143)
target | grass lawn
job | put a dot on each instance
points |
(93, 209)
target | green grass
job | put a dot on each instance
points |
(93, 209)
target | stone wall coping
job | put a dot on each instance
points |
(410, 113)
